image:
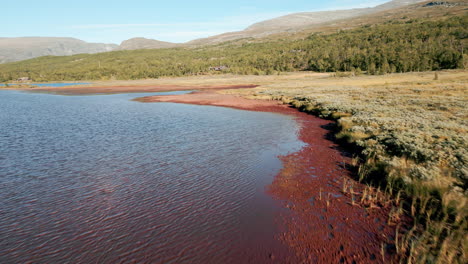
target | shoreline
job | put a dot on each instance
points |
(90, 90)
(387, 100)
(321, 222)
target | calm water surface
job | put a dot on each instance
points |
(102, 179)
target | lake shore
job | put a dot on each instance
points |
(318, 221)
(387, 119)
(89, 90)
(321, 222)
(206, 97)
(426, 107)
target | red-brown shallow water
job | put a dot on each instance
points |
(102, 179)
(322, 220)
(107, 180)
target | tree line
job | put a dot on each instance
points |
(395, 46)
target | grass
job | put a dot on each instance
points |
(412, 125)
(410, 131)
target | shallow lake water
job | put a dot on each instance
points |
(103, 179)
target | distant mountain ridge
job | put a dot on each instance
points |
(16, 49)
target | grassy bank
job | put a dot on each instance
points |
(410, 135)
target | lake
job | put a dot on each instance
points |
(103, 179)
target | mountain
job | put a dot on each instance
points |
(299, 21)
(144, 43)
(16, 49)
(419, 37)
(428, 10)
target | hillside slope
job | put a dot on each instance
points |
(427, 10)
(144, 43)
(16, 49)
(299, 21)
(393, 46)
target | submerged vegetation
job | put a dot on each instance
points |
(395, 46)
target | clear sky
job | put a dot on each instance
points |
(112, 21)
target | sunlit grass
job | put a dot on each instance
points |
(411, 134)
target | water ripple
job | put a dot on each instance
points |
(101, 179)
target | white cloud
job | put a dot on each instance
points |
(174, 32)
(104, 26)
(233, 21)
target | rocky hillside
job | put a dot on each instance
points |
(16, 49)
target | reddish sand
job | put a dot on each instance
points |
(214, 99)
(319, 223)
(133, 89)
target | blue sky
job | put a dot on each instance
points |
(112, 21)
